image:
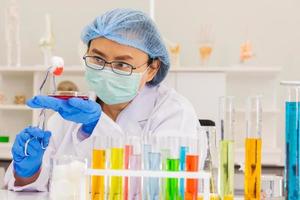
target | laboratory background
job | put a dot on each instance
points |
(248, 50)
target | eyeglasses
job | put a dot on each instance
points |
(121, 68)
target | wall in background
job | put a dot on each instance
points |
(271, 25)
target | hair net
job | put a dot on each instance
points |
(133, 28)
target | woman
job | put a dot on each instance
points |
(126, 62)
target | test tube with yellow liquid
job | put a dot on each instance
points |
(116, 162)
(226, 154)
(99, 161)
(253, 148)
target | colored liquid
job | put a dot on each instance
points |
(252, 169)
(154, 164)
(165, 153)
(191, 184)
(66, 97)
(135, 183)
(146, 151)
(292, 183)
(226, 168)
(182, 153)
(172, 189)
(98, 187)
(214, 197)
(116, 159)
(228, 197)
(128, 152)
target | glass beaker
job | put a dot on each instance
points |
(226, 156)
(211, 160)
(68, 179)
(253, 147)
(292, 138)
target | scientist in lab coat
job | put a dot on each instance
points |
(126, 62)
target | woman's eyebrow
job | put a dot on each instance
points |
(124, 57)
(121, 57)
(96, 51)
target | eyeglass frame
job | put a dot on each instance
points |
(149, 62)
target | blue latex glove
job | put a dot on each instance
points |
(27, 166)
(77, 110)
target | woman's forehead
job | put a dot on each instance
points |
(108, 48)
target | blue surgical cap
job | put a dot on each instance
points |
(133, 28)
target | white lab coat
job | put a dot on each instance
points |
(155, 110)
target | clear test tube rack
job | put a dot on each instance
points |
(201, 175)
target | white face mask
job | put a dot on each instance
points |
(113, 88)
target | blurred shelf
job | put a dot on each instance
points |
(14, 107)
(5, 151)
(267, 111)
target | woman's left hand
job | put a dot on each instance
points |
(77, 110)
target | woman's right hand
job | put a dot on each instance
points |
(28, 164)
(77, 110)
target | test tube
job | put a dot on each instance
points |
(226, 156)
(183, 151)
(100, 145)
(173, 162)
(292, 138)
(253, 149)
(146, 150)
(128, 151)
(116, 162)
(165, 154)
(192, 165)
(135, 163)
(155, 165)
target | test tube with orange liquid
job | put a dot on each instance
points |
(99, 161)
(253, 145)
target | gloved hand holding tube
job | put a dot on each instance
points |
(75, 109)
(26, 166)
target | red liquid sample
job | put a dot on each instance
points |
(191, 184)
(58, 71)
(66, 97)
(128, 152)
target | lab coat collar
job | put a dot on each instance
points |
(141, 106)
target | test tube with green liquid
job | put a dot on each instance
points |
(173, 164)
(226, 156)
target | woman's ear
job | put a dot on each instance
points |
(153, 69)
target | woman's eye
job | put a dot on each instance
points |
(98, 60)
(122, 65)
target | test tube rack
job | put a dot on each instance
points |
(200, 175)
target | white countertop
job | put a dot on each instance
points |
(9, 195)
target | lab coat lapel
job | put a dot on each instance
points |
(132, 119)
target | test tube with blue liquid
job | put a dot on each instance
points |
(154, 165)
(292, 137)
